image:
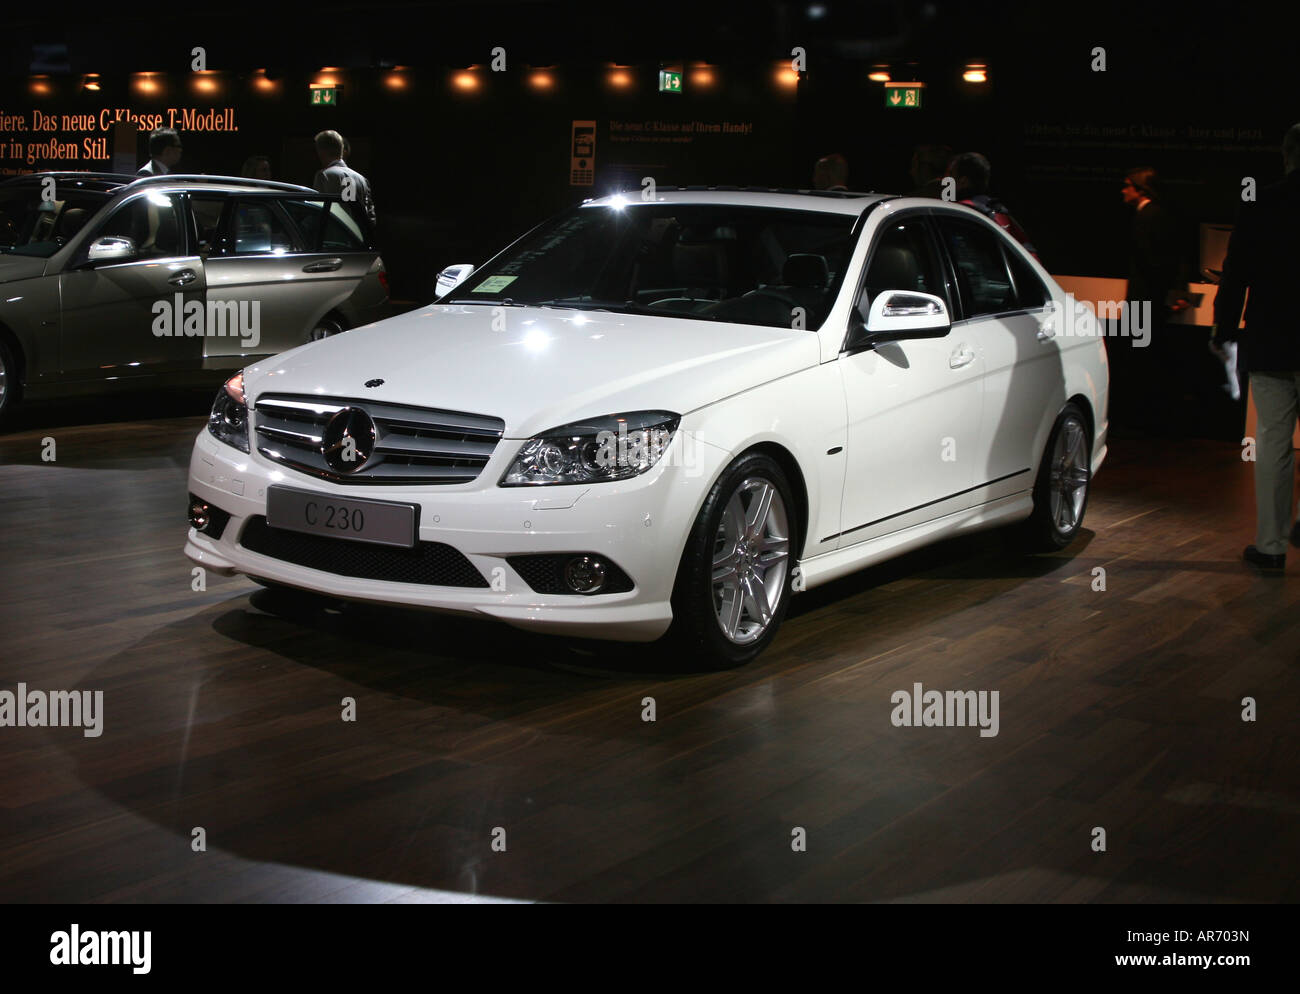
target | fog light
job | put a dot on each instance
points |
(199, 515)
(585, 575)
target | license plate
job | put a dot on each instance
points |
(379, 521)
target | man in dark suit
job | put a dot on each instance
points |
(1155, 255)
(164, 152)
(1264, 258)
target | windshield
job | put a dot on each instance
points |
(748, 265)
(31, 225)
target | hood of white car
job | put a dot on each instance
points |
(538, 367)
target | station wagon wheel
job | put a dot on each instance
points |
(733, 585)
(1061, 490)
(8, 379)
(325, 327)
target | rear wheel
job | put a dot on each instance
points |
(1061, 490)
(733, 585)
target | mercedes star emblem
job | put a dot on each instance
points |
(348, 441)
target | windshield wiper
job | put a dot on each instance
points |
(625, 306)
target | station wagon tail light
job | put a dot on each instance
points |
(598, 450)
(377, 267)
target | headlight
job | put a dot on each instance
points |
(615, 447)
(228, 421)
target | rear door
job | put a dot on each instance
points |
(140, 316)
(1004, 310)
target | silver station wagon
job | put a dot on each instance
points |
(110, 281)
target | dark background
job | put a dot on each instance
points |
(458, 174)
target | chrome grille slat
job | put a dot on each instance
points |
(420, 446)
(413, 444)
(284, 434)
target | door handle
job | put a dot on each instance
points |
(1046, 331)
(323, 266)
(184, 278)
(964, 356)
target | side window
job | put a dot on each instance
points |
(260, 229)
(207, 211)
(152, 221)
(342, 232)
(1029, 287)
(326, 226)
(981, 270)
(903, 258)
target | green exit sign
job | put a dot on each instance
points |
(324, 96)
(903, 94)
(670, 81)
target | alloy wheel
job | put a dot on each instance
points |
(1070, 475)
(751, 560)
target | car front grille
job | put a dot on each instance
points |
(431, 563)
(411, 445)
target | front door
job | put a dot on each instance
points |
(127, 318)
(914, 407)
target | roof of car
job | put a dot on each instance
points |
(826, 201)
(102, 182)
(220, 183)
(116, 181)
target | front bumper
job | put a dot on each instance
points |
(639, 524)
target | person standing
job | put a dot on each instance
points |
(1155, 257)
(164, 152)
(831, 172)
(336, 176)
(971, 173)
(1264, 258)
(929, 163)
(256, 167)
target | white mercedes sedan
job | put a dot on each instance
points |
(665, 417)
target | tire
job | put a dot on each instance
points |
(718, 616)
(1061, 490)
(325, 328)
(10, 387)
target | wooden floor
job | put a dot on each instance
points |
(1118, 709)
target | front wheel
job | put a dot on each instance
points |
(326, 327)
(1061, 490)
(733, 585)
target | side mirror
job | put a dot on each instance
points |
(897, 315)
(908, 314)
(110, 248)
(453, 276)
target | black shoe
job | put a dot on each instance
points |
(1295, 535)
(1270, 564)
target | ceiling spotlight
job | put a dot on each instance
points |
(786, 76)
